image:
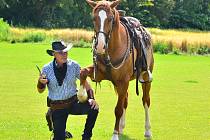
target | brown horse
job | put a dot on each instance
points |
(114, 59)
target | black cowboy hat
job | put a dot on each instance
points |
(59, 46)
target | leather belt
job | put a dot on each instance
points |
(61, 104)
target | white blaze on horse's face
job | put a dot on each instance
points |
(101, 36)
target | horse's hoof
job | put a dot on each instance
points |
(121, 131)
(115, 137)
(121, 128)
(148, 134)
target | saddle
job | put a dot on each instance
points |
(141, 40)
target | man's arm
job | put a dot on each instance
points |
(41, 84)
(90, 95)
(89, 90)
(83, 81)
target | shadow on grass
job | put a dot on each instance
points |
(125, 137)
(191, 81)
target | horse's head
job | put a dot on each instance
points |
(104, 16)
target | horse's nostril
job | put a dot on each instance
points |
(100, 48)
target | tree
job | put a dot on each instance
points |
(77, 13)
(139, 9)
(162, 11)
(188, 14)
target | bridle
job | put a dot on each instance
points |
(107, 35)
(106, 56)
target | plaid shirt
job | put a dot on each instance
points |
(69, 86)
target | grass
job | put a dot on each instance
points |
(176, 38)
(164, 40)
(64, 34)
(180, 98)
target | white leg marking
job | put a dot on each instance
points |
(149, 75)
(101, 38)
(147, 122)
(122, 122)
(115, 135)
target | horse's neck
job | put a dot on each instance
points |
(118, 41)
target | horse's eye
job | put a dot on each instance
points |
(110, 19)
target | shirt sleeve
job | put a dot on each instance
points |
(77, 70)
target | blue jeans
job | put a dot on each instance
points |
(59, 118)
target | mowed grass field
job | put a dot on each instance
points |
(180, 98)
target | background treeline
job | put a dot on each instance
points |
(77, 14)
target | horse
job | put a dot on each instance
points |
(115, 59)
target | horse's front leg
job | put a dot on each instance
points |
(120, 110)
(122, 119)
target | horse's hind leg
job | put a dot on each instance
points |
(146, 104)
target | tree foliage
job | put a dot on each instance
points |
(77, 13)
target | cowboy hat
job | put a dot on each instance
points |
(59, 46)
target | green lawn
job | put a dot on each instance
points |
(180, 98)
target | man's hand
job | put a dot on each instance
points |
(93, 104)
(42, 79)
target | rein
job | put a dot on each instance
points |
(107, 56)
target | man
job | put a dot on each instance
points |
(60, 76)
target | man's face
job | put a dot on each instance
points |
(61, 57)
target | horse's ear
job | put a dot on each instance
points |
(114, 3)
(91, 3)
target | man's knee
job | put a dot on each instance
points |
(94, 112)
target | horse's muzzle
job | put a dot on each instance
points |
(100, 49)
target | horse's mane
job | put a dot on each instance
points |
(102, 5)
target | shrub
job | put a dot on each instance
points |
(203, 50)
(34, 37)
(4, 30)
(176, 52)
(161, 47)
(82, 44)
(192, 50)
